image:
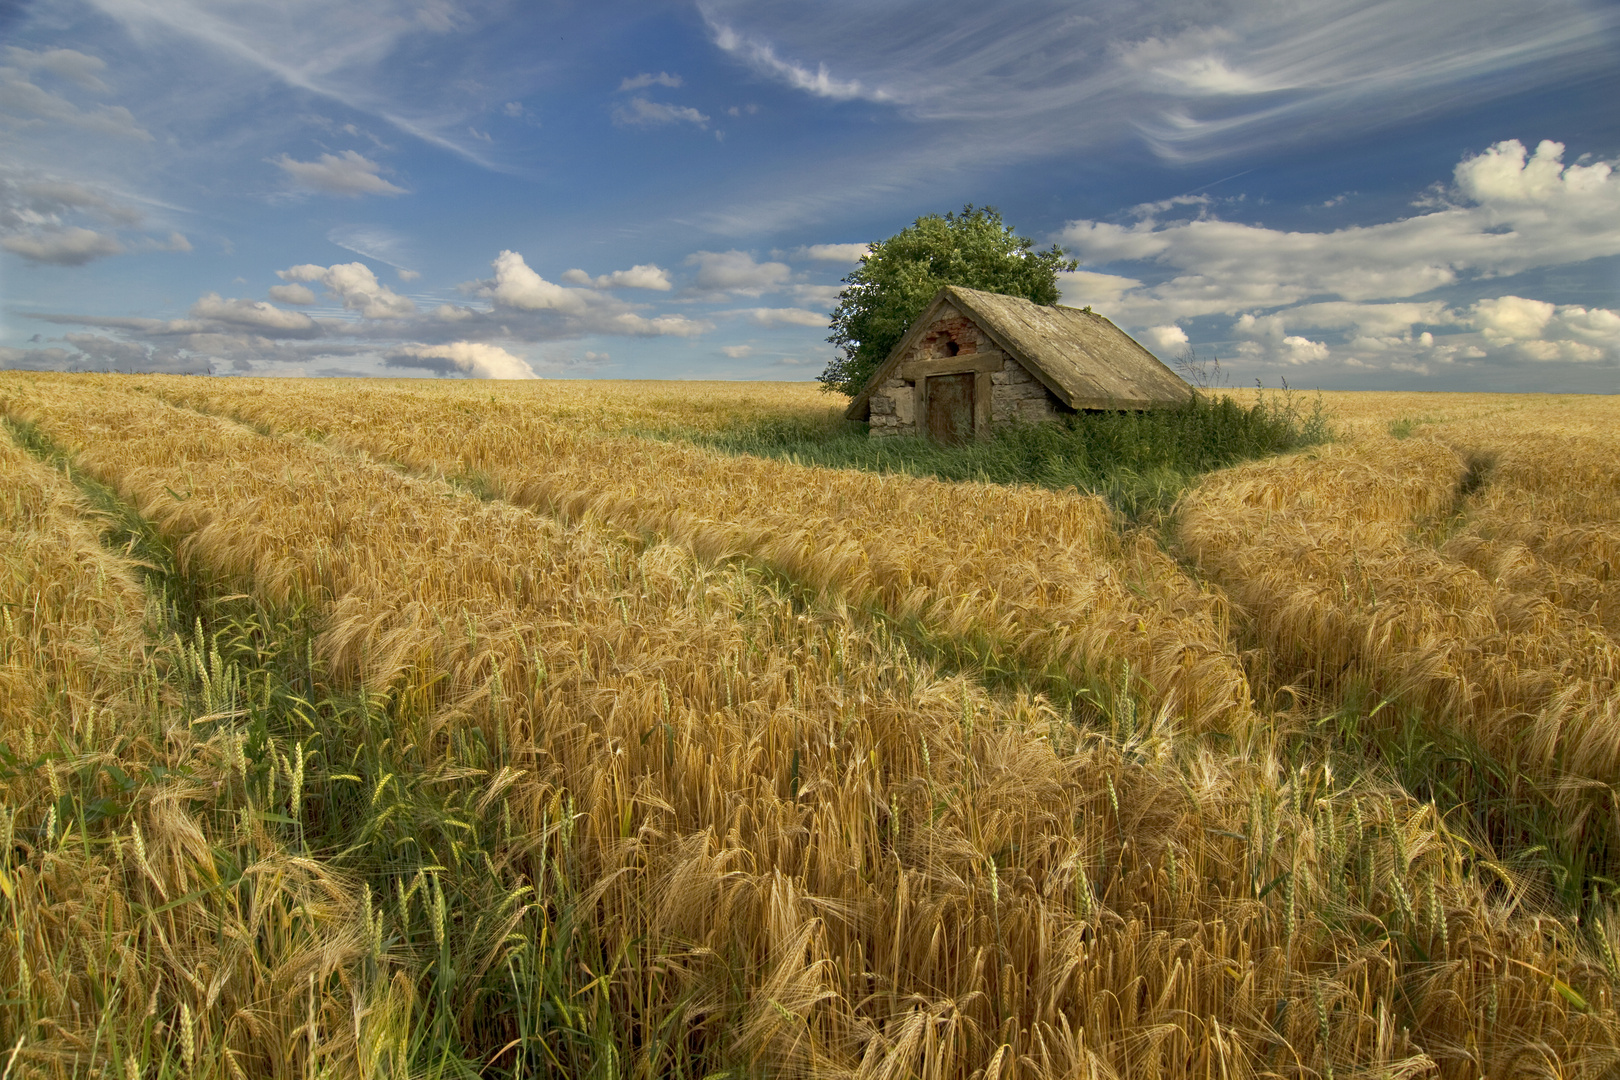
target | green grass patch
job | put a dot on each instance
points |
(1140, 461)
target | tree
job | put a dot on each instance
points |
(898, 277)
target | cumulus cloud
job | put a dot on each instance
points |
(737, 352)
(1165, 339)
(737, 272)
(640, 112)
(33, 199)
(640, 276)
(407, 275)
(73, 246)
(1510, 211)
(1541, 331)
(472, 358)
(646, 79)
(629, 322)
(51, 219)
(292, 294)
(790, 316)
(355, 286)
(1080, 288)
(515, 285)
(257, 314)
(836, 253)
(1355, 296)
(348, 173)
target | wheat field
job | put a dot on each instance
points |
(397, 729)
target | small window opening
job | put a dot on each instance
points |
(952, 348)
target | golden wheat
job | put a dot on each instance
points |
(118, 930)
(1472, 584)
(1035, 578)
(819, 857)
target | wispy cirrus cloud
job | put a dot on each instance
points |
(1216, 81)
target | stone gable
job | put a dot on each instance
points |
(953, 341)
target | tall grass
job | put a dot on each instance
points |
(624, 812)
(1141, 461)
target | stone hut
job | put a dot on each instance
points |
(974, 361)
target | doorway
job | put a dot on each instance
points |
(950, 408)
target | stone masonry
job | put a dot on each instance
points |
(1016, 396)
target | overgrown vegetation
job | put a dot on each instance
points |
(1141, 461)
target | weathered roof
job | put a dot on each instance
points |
(1085, 360)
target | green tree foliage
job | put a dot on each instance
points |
(898, 277)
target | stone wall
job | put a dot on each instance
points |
(1015, 394)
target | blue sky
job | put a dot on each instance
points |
(1381, 195)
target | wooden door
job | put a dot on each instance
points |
(950, 408)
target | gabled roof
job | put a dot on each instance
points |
(1085, 360)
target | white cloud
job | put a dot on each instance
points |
(1512, 213)
(70, 64)
(761, 56)
(736, 271)
(1537, 330)
(837, 253)
(1192, 64)
(786, 317)
(292, 294)
(737, 352)
(1513, 318)
(1507, 173)
(824, 297)
(63, 247)
(407, 275)
(1300, 350)
(640, 276)
(474, 358)
(356, 287)
(517, 286)
(1371, 320)
(1165, 339)
(1080, 288)
(256, 314)
(646, 79)
(31, 199)
(347, 173)
(639, 112)
(29, 105)
(659, 326)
